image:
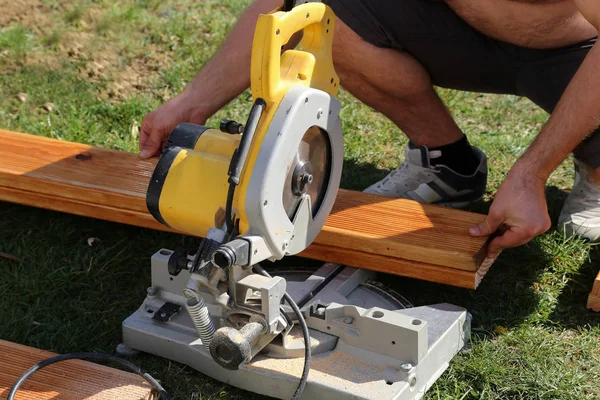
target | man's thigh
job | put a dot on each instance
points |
(455, 55)
(545, 74)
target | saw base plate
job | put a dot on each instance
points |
(349, 357)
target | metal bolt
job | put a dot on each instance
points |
(307, 179)
(319, 114)
(406, 367)
(284, 246)
(152, 291)
(348, 320)
(163, 315)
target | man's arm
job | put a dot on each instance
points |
(519, 207)
(223, 78)
(576, 115)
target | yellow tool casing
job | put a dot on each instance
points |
(188, 190)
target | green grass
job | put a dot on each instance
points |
(533, 338)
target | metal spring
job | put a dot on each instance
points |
(201, 319)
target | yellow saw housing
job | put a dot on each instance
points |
(189, 187)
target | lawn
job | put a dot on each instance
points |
(89, 70)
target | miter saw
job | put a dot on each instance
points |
(259, 192)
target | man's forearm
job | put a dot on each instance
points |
(227, 74)
(575, 117)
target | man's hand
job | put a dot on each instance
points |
(225, 76)
(518, 213)
(157, 125)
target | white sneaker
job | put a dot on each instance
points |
(418, 180)
(580, 214)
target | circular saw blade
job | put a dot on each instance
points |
(313, 157)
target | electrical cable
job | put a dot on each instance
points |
(238, 160)
(88, 357)
(305, 334)
(229, 217)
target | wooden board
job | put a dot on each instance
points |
(391, 265)
(415, 238)
(594, 297)
(72, 380)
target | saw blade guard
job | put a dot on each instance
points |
(303, 113)
(275, 74)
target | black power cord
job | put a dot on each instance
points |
(305, 334)
(238, 160)
(88, 357)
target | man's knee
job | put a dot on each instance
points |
(346, 46)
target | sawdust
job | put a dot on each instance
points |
(334, 369)
(295, 339)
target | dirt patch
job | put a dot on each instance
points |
(98, 58)
(32, 14)
(102, 62)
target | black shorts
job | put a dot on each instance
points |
(459, 57)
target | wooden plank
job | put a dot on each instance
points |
(594, 297)
(81, 208)
(392, 265)
(404, 228)
(327, 253)
(72, 379)
(111, 185)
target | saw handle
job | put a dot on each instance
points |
(274, 73)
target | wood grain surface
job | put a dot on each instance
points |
(594, 297)
(111, 185)
(66, 380)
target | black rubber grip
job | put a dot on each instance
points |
(158, 180)
(185, 135)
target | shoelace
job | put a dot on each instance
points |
(403, 172)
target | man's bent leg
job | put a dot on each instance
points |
(395, 84)
(378, 71)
